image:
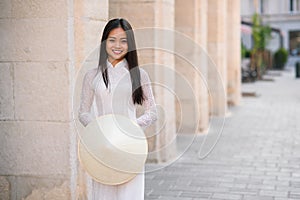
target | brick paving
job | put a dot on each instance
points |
(257, 156)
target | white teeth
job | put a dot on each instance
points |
(117, 51)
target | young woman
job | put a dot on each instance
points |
(117, 86)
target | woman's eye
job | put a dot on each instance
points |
(124, 41)
(111, 40)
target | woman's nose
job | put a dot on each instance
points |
(118, 44)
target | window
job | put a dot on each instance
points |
(294, 5)
(294, 43)
(261, 6)
(291, 5)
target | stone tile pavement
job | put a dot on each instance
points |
(257, 156)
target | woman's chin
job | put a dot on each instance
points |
(118, 58)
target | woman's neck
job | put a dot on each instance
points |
(115, 62)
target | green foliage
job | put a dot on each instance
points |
(261, 34)
(243, 50)
(265, 35)
(280, 58)
(256, 31)
(248, 53)
(245, 53)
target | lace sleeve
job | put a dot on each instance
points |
(150, 114)
(87, 97)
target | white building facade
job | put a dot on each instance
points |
(278, 14)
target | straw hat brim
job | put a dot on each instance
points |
(112, 149)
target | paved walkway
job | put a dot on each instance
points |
(257, 156)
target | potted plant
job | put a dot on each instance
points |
(280, 58)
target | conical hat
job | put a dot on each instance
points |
(112, 149)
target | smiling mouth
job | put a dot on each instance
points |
(117, 52)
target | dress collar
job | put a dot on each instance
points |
(122, 63)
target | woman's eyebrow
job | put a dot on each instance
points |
(116, 37)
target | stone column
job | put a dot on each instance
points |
(90, 18)
(35, 98)
(233, 52)
(39, 43)
(149, 18)
(217, 50)
(194, 25)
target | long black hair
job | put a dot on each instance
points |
(131, 57)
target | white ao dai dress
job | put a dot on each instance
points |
(116, 99)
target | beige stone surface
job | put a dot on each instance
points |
(189, 117)
(39, 9)
(233, 52)
(35, 148)
(194, 27)
(40, 39)
(39, 42)
(201, 19)
(165, 75)
(96, 9)
(146, 56)
(36, 48)
(165, 14)
(139, 14)
(217, 49)
(4, 188)
(61, 192)
(5, 9)
(185, 75)
(42, 91)
(23, 186)
(165, 99)
(201, 39)
(92, 36)
(216, 21)
(90, 19)
(190, 88)
(6, 92)
(132, 1)
(146, 44)
(78, 13)
(203, 106)
(185, 23)
(154, 14)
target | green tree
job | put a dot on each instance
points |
(261, 36)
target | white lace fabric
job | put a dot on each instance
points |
(117, 98)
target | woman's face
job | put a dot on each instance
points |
(116, 45)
